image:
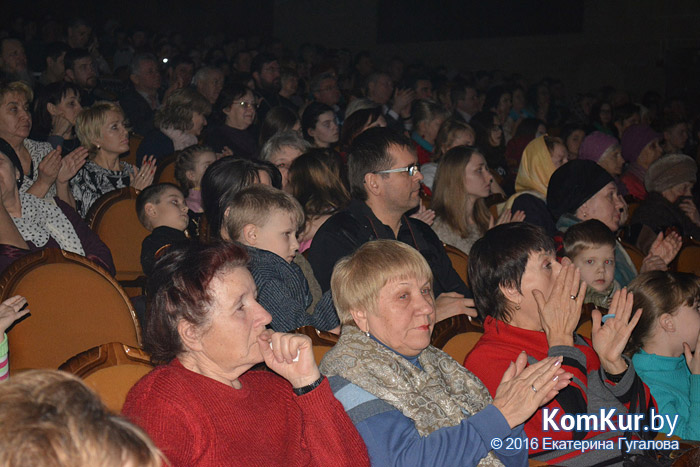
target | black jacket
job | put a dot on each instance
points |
(345, 231)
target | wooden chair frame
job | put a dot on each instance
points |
(454, 252)
(163, 164)
(113, 353)
(16, 272)
(97, 212)
(448, 328)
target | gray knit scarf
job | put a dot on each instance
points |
(442, 394)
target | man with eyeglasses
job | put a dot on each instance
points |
(385, 184)
(324, 89)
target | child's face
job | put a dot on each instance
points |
(170, 210)
(597, 266)
(687, 324)
(203, 160)
(279, 235)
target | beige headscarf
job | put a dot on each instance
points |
(536, 168)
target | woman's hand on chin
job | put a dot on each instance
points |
(523, 390)
(610, 339)
(560, 313)
(290, 356)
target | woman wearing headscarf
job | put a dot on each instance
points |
(540, 159)
(581, 190)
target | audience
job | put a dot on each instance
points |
(178, 122)
(452, 133)
(266, 221)
(234, 114)
(531, 304)
(278, 120)
(51, 418)
(590, 245)
(540, 159)
(201, 405)
(282, 149)
(190, 165)
(29, 223)
(318, 125)
(385, 183)
(357, 184)
(162, 211)
(582, 190)
(209, 82)
(463, 182)
(316, 181)
(56, 109)
(664, 345)
(669, 204)
(428, 117)
(641, 148)
(80, 70)
(102, 130)
(44, 174)
(141, 100)
(11, 310)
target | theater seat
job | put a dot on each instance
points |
(689, 259)
(74, 303)
(165, 171)
(113, 218)
(635, 254)
(460, 261)
(110, 370)
(322, 341)
(446, 329)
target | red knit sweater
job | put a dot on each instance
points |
(502, 343)
(196, 420)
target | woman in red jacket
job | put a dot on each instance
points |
(531, 303)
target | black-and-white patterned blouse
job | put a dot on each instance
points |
(93, 181)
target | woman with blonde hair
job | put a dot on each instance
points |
(102, 130)
(178, 122)
(51, 418)
(462, 183)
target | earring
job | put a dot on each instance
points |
(517, 306)
(366, 332)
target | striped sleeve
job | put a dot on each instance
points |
(4, 364)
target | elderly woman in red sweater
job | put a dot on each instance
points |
(533, 304)
(201, 405)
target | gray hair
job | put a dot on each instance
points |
(135, 65)
(361, 103)
(280, 140)
(203, 73)
(316, 81)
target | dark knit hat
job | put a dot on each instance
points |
(670, 171)
(6, 149)
(636, 138)
(573, 184)
(595, 145)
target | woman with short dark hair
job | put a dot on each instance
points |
(234, 113)
(532, 304)
(202, 405)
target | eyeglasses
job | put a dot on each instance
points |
(411, 169)
(248, 105)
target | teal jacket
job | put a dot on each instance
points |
(675, 389)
